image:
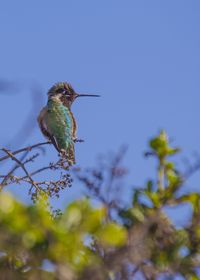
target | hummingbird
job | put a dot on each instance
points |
(57, 122)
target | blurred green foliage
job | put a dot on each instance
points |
(88, 242)
(29, 235)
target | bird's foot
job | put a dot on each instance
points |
(78, 140)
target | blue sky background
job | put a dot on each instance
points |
(143, 57)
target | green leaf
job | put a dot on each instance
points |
(137, 214)
(112, 234)
(160, 145)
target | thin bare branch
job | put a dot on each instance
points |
(6, 178)
(22, 166)
(28, 148)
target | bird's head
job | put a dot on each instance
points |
(65, 93)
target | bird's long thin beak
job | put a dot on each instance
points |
(92, 95)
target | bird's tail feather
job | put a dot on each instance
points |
(69, 153)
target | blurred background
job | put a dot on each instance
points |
(142, 57)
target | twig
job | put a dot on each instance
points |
(161, 176)
(28, 148)
(22, 166)
(17, 166)
(4, 182)
(38, 171)
(50, 166)
(31, 174)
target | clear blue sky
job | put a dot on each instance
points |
(143, 57)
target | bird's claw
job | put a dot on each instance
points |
(78, 140)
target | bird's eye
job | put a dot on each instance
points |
(60, 90)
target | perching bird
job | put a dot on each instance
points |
(57, 122)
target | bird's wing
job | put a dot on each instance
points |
(41, 122)
(74, 127)
(44, 128)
